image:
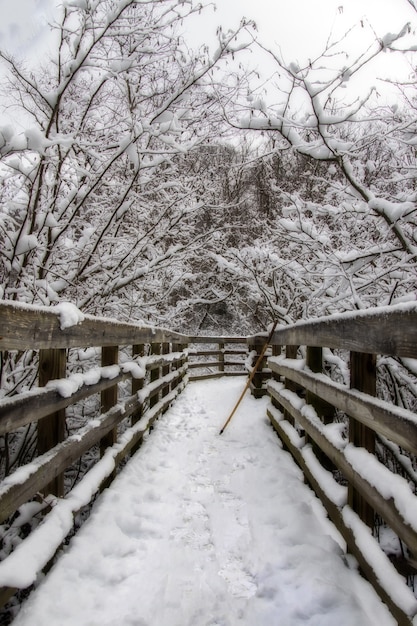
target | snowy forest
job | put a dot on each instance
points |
(206, 189)
(154, 182)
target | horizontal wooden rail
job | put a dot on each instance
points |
(14, 491)
(389, 330)
(344, 470)
(157, 372)
(24, 326)
(395, 423)
(374, 564)
(217, 357)
(74, 501)
(304, 400)
(403, 524)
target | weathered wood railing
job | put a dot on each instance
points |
(141, 372)
(302, 411)
(210, 357)
(155, 370)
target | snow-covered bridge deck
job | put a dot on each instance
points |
(203, 530)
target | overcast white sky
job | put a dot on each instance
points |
(298, 26)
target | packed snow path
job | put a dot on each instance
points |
(203, 530)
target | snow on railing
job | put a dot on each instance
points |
(333, 425)
(95, 416)
(128, 390)
(341, 435)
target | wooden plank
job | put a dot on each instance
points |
(203, 364)
(14, 491)
(109, 356)
(51, 429)
(240, 363)
(397, 424)
(325, 411)
(194, 353)
(14, 411)
(166, 349)
(392, 331)
(217, 339)
(137, 385)
(336, 517)
(130, 439)
(314, 361)
(235, 352)
(155, 361)
(194, 377)
(221, 357)
(23, 326)
(363, 378)
(155, 375)
(386, 508)
(14, 494)
(290, 353)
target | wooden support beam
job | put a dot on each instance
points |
(51, 429)
(137, 385)
(363, 378)
(109, 356)
(166, 349)
(290, 353)
(155, 374)
(221, 357)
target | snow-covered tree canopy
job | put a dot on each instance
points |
(92, 200)
(349, 229)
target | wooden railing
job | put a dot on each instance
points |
(210, 357)
(342, 467)
(142, 370)
(148, 365)
(139, 373)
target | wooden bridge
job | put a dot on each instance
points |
(320, 376)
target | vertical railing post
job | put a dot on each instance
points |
(109, 356)
(175, 347)
(363, 378)
(276, 351)
(221, 357)
(155, 373)
(137, 385)
(166, 349)
(183, 347)
(324, 410)
(290, 353)
(51, 429)
(256, 383)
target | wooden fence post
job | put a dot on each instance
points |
(166, 349)
(325, 411)
(51, 429)
(363, 378)
(155, 374)
(256, 384)
(221, 357)
(175, 347)
(109, 356)
(276, 351)
(290, 353)
(137, 385)
(184, 360)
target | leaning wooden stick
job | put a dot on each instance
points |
(252, 374)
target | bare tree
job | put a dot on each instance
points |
(93, 202)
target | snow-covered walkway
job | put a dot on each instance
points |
(203, 530)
